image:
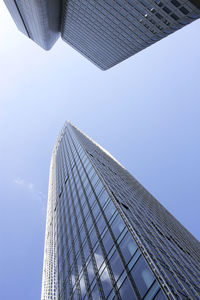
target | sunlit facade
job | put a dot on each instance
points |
(106, 32)
(106, 236)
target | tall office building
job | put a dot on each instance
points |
(109, 31)
(38, 20)
(106, 236)
(105, 31)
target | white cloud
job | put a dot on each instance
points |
(19, 181)
(31, 187)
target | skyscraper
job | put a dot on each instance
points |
(38, 20)
(105, 31)
(106, 236)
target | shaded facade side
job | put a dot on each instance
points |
(108, 32)
(173, 253)
(39, 20)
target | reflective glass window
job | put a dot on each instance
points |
(91, 198)
(76, 246)
(93, 237)
(83, 234)
(103, 198)
(116, 265)
(107, 241)
(142, 276)
(82, 286)
(153, 290)
(95, 293)
(126, 291)
(106, 282)
(134, 259)
(88, 189)
(160, 296)
(94, 178)
(101, 224)
(90, 271)
(79, 263)
(98, 188)
(89, 222)
(98, 257)
(117, 226)
(86, 250)
(109, 210)
(128, 247)
(96, 211)
(91, 173)
(85, 210)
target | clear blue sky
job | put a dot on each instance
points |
(145, 112)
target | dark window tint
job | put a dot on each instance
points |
(142, 276)
(184, 10)
(175, 3)
(175, 17)
(166, 9)
(159, 16)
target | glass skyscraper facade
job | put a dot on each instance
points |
(106, 236)
(105, 31)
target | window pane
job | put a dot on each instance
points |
(160, 296)
(86, 250)
(109, 210)
(116, 265)
(95, 293)
(103, 198)
(142, 276)
(153, 290)
(106, 282)
(99, 257)
(90, 271)
(82, 285)
(107, 241)
(93, 237)
(128, 247)
(117, 226)
(126, 291)
(95, 211)
(101, 224)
